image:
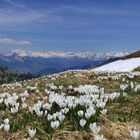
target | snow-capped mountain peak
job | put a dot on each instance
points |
(49, 54)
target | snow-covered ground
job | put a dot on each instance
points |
(120, 66)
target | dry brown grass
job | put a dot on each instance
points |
(115, 130)
(111, 131)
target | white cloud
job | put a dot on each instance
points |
(9, 41)
(15, 4)
(27, 17)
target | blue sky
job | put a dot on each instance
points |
(70, 25)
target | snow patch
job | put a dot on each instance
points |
(120, 66)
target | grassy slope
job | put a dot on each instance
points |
(137, 69)
(120, 113)
(132, 55)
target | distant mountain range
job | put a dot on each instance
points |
(69, 54)
(50, 62)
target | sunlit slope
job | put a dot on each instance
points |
(120, 65)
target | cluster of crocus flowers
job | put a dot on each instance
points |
(91, 99)
(5, 125)
(95, 129)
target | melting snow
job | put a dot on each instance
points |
(120, 66)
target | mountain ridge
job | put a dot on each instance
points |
(132, 55)
(44, 63)
(65, 54)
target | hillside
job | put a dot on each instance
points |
(72, 105)
(132, 55)
(137, 69)
(123, 64)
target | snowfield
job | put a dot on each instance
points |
(120, 66)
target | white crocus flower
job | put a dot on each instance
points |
(31, 132)
(80, 113)
(31, 109)
(88, 115)
(1, 101)
(6, 127)
(89, 112)
(123, 79)
(26, 138)
(132, 85)
(6, 121)
(24, 105)
(23, 99)
(82, 122)
(123, 86)
(55, 124)
(98, 137)
(61, 117)
(61, 87)
(101, 104)
(49, 117)
(94, 128)
(46, 112)
(14, 109)
(47, 106)
(54, 116)
(39, 113)
(134, 132)
(104, 111)
(137, 88)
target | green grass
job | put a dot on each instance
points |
(137, 69)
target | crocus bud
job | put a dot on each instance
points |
(31, 132)
(82, 122)
(6, 121)
(6, 127)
